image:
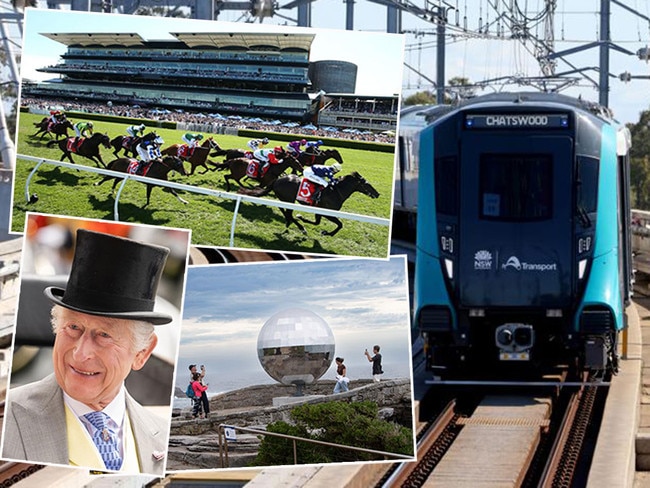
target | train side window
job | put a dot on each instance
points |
(587, 184)
(516, 187)
(446, 175)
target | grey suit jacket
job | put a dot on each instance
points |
(35, 428)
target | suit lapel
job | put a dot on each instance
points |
(150, 438)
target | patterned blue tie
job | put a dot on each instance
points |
(105, 439)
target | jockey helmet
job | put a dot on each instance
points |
(320, 143)
(277, 150)
(265, 141)
(303, 142)
(142, 127)
(336, 167)
(199, 137)
(90, 124)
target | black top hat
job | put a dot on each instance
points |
(113, 277)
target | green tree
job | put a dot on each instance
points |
(352, 424)
(458, 85)
(420, 98)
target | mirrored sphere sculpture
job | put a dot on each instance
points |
(295, 346)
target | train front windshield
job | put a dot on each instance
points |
(516, 188)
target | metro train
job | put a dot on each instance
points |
(523, 256)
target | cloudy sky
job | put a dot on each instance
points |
(364, 301)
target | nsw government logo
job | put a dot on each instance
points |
(483, 260)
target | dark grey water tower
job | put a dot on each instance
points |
(333, 76)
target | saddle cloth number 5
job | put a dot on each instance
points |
(305, 188)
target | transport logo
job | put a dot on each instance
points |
(512, 262)
(515, 263)
(483, 260)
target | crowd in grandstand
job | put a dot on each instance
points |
(202, 71)
(205, 122)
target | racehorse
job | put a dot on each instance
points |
(309, 159)
(332, 197)
(129, 143)
(88, 147)
(58, 129)
(238, 169)
(198, 157)
(157, 169)
(230, 153)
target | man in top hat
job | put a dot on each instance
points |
(104, 326)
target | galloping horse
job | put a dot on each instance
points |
(309, 159)
(88, 147)
(129, 143)
(230, 153)
(238, 169)
(157, 169)
(332, 197)
(58, 129)
(198, 157)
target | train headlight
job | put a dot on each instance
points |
(524, 336)
(504, 337)
(449, 268)
(582, 267)
(584, 244)
(447, 244)
(514, 341)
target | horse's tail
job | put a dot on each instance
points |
(256, 192)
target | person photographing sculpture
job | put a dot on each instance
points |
(103, 323)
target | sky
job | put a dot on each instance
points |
(364, 302)
(363, 49)
(576, 24)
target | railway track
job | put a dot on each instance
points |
(434, 442)
(539, 438)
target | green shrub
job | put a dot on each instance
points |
(352, 424)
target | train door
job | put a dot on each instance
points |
(515, 219)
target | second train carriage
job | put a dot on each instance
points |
(523, 246)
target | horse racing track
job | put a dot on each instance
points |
(69, 192)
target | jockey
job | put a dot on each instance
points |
(256, 144)
(294, 147)
(321, 175)
(136, 130)
(314, 146)
(82, 129)
(148, 151)
(191, 139)
(268, 156)
(56, 116)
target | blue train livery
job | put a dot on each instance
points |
(522, 238)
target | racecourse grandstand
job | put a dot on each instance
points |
(249, 74)
(356, 112)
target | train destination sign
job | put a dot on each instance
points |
(517, 121)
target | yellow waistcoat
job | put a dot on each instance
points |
(82, 450)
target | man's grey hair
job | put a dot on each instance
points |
(141, 336)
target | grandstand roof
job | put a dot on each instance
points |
(215, 39)
(98, 39)
(247, 40)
